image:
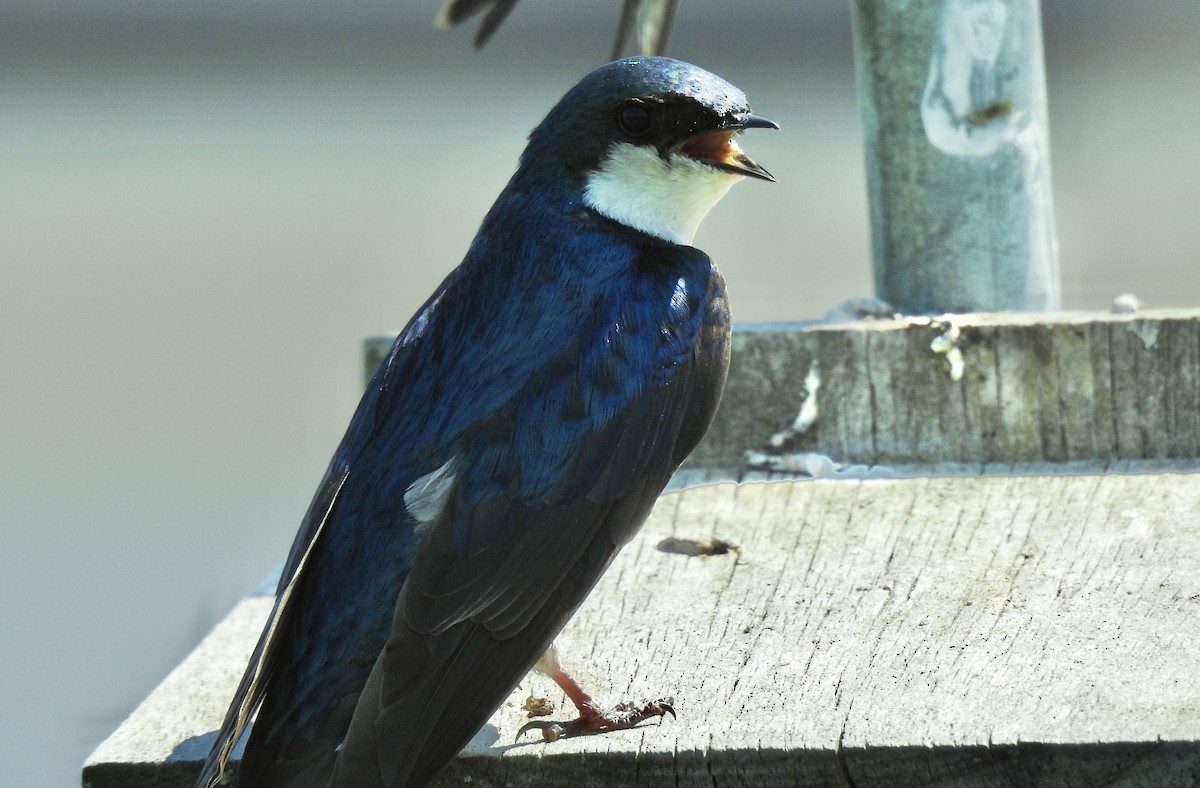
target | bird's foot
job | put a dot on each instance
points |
(593, 719)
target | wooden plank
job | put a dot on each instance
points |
(949, 631)
(1087, 388)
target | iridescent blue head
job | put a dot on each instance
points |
(651, 142)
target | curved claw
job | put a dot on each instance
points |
(551, 731)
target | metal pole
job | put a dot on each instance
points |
(953, 99)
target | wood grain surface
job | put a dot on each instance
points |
(942, 631)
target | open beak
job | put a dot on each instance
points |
(719, 149)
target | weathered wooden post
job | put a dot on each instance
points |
(953, 100)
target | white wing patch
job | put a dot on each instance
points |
(666, 198)
(426, 498)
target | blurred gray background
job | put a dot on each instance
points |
(205, 206)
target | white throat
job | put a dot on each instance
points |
(666, 198)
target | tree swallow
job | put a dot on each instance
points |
(513, 440)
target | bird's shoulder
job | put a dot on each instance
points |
(542, 299)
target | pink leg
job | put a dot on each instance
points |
(592, 718)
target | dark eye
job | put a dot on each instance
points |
(634, 117)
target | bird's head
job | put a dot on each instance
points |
(650, 142)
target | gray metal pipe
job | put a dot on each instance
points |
(953, 100)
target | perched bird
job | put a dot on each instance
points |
(513, 440)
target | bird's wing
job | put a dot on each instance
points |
(309, 590)
(541, 498)
(250, 690)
